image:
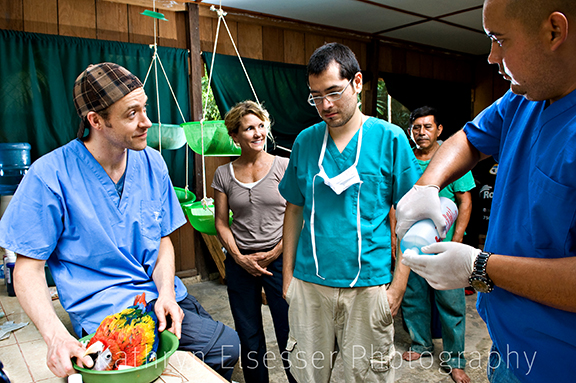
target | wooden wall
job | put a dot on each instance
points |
(93, 19)
(256, 37)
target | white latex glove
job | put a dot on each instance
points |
(419, 203)
(446, 265)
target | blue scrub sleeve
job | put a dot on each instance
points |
(485, 131)
(33, 221)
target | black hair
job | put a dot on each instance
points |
(424, 111)
(323, 57)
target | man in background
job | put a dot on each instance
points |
(419, 297)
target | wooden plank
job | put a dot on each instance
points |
(181, 30)
(313, 41)
(385, 59)
(225, 46)
(413, 63)
(359, 49)
(41, 16)
(250, 40)
(483, 88)
(215, 248)
(161, 5)
(187, 244)
(77, 18)
(140, 27)
(439, 64)
(112, 21)
(294, 48)
(398, 60)
(168, 30)
(272, 44)
(206, 32)
(11, 16)
(426, 65)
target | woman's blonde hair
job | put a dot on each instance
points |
(234, 116)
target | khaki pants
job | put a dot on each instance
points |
(324, 321)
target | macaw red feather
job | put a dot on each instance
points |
(131, 335)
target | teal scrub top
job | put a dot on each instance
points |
(101, 248)
(387, 169)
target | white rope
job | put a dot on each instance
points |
(241, 63)
(155, 61)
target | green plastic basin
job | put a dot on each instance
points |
(144, 374)
(202, 218)
(216, 141)
(184, 196)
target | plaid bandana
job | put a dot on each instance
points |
(100, 86)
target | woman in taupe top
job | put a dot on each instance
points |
(249, 187)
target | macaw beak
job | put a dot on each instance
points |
(95, 348)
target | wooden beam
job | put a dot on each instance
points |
(168, 5)
(215, 248)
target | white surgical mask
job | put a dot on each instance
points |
(339, 184)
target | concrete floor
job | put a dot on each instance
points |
(212, 295)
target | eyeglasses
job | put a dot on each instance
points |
(334, 96)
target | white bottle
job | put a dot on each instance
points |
(424, 232)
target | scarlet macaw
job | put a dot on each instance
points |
(128, 338)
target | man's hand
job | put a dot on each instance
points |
(395, 297)
(164, 308)
(449, 269)
(419, 203)
(61, 349)
(251, 263)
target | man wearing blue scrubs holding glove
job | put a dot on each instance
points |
(343, 176)
(527, 272)
(99, 211)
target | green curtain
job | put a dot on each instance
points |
(281, 88)
(37, 74)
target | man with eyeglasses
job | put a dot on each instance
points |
(344, 175)
(419, 297)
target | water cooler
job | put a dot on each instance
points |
(14, 163)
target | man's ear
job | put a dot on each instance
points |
(357, 82)
(96, 121)
(440, 129)
(556, 29)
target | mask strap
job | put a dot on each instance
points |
(358, 223)
(312, 233)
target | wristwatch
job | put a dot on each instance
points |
(479, 280)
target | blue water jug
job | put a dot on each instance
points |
(14, 163)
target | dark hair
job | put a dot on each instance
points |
(323, 57)
(424, 111)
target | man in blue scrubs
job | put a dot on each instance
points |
(344, 175)
(99, 211)
(527, 271)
